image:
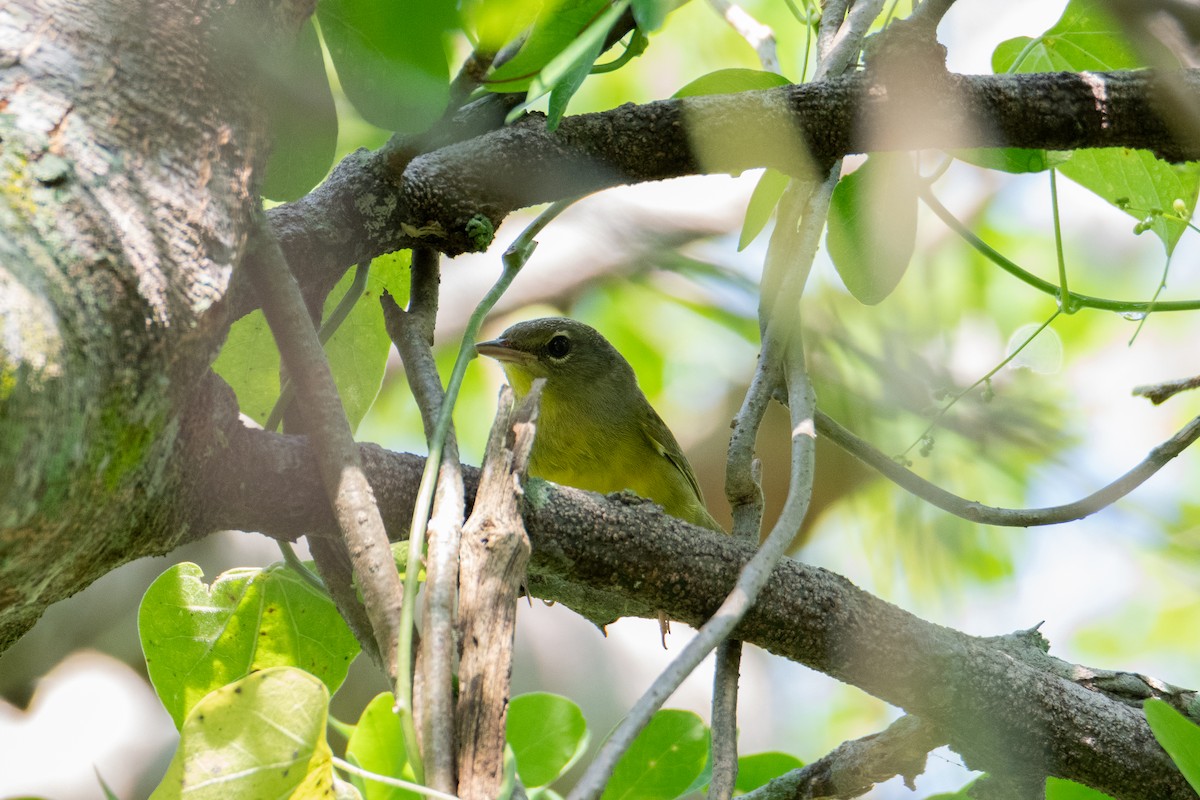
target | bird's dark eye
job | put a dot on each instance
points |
(559, 346)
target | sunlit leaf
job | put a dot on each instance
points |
(1179, 736)
(1015, 160)
(873, 225)
(729, 81)
(650, 14)
(197, 638)
(762, 768)
(566, 72)
(1061, 789)
(767, 191)
(263, 736)
(663, 760)
(1087, 38)
(302, 117)
(377, 745)
(558, 25)
(1143, 186)
(547, 733)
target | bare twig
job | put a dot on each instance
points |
(1159, 393)
(338, 457)
(1009, 517)
(412, 333)
(760, 37)
(495, 552)
(855, 766)
(839, 52)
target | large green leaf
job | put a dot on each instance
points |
(663, 760)
(1141, 185)
(261, 737)
(1087, 38)
(729, 81)
(566, 72)
(198, 638)
(557, 26)
(303, 119)
(547, 733)
(377, 745)
(1179, 736)
(390, 58)
(762, 768)
(873, 225)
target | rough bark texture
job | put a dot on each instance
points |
(492, 568)
(1001, 702)
(129, 140)
(441, 198)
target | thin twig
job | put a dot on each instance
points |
(855, 766)
(351, 769)
(337, 454)
(841, 52)
(1159, 393)
(412, 333)
(1008, 517)
(760, 37)
(514, 258)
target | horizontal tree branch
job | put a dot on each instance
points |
(1001, 702)
(451, 198)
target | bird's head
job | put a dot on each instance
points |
(572, 357)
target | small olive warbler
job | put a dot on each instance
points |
(596, 430)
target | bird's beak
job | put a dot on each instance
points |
(503, 351)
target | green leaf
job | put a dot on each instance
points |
(495, 22)
(873, 225)
(1140, 184)
(197, 638)
(650, 14)
(1085, 37)
(731, 81)
(763, 200)
(263, 736)
(566, 72)
(663, 760)
(762, 768)
(547, 733)
(303, 119)
(557, 26)
(358, 351)
(377, 745)
(390, 58)
(1179, 736)
(249, 363)
(1015, 160)
(1061, 789)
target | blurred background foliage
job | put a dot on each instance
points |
(657, 269)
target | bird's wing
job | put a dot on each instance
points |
(664, 442)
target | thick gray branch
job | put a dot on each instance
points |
(1001, 702)
(378, 202)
